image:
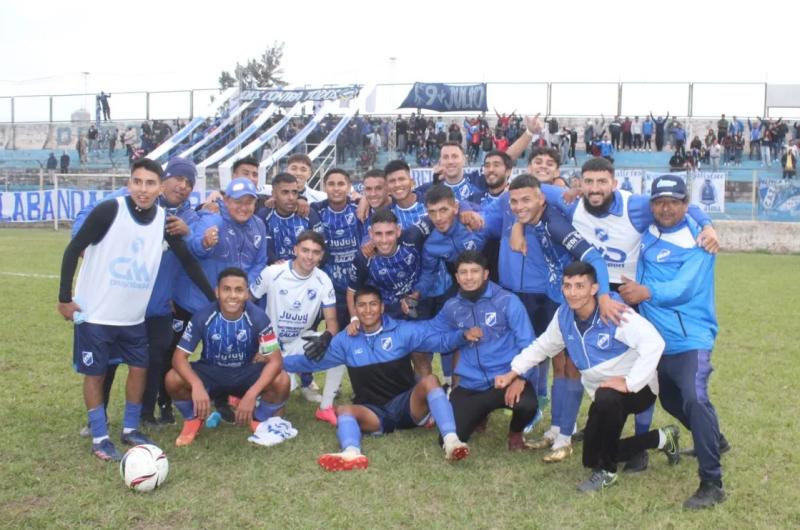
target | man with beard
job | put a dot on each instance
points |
(613, 221)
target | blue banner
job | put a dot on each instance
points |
(778, 200)
(446, 98)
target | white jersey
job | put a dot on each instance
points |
(293, 302)
(614, 236)
(118, 273)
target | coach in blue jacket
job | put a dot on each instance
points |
(506, 331)
(674, 288)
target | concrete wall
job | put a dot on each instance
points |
(753, 236)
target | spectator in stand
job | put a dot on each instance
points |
(722, 128)
(92, 136)
(755, 140)
(82, 146)
(627, 135)
(728, 149)
(552, 131)
(454, 133)
(677, 162)
(736, 127)
(659, 127)
(52, 163)
(501, 142)
(65, 162)
(789, 164)
(636, 132)
(738, 149)
(714, 154)
(697, 150)
(607, 149)
(615, 129)
(103, 97)
(647, 133)
(504, 121)
(679, 135)
(592, 130)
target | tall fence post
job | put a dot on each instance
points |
(549, 98)
(690, 111)
(191, 105)
(147, 106)
(13, 126)
(55, 200)
(754, 196)
(51, 109)
(766, 109)
(619, 99)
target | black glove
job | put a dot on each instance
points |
(315, 347)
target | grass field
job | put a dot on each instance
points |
(49, 479)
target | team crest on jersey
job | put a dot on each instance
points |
(256, 241)
(601, 234)
(283, 292)
(386, 343)
(358, 351)
(88, 358)
(331, 294)
(464, 192)
(663, 255)
(229, 348)
(401, 275)
(287, 242)
(177, 325)
(231, 231)
(296, 304)
(349, 218)
(490, 319)
(216, 337)
(469, 245)
(383, 272)
(241, 335)
(312, 293)
(409, 259)
(603, 340)
(339, 232)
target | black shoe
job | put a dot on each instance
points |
(149, 421)
(724, 447)
(226, 412)
(167, 416)
(637, 463)
(577, 436)
(706, 496)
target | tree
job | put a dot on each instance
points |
(262, 72)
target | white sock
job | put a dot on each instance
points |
(98, 440)
(448, 380)
(351, 449)
(553, 432)
(127, 430)
(562, 440)
(450, 438)
(662, 439)
(333, 380)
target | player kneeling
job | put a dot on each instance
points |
(386, 394)
(240, 357)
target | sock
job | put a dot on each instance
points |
(448, 380)
(348, 432)
(130, 421)
(333, 380)
(449, 436)
(186, 408)
(562, 440)
(442, 411)
(557, 393)
(572, 404)
(306, 379)
(643, 420)
(541, 385)
(265, 410)
(662, 439)
(552, 432)
(97, 423)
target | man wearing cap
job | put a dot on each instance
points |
(674, 288)
(122, 242)
(176, 185)
(234, 237)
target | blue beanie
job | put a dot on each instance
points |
(181, 167)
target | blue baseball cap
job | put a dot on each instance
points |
(239, 187)
(668, 186)
(181, 167)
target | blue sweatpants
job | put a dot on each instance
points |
(683, 391)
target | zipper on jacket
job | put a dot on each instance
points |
(477, 351)
(680, 321)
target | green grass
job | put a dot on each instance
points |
(48, 478)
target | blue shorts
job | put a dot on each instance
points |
(95, 346)
(224, 381)
(540, 310)
(396, 414)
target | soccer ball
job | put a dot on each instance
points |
(144, 467)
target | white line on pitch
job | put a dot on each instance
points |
(28, 275)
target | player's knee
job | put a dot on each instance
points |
(282, 385)
(605, 399)
(173, 382)
(429, 382)
(344, 410)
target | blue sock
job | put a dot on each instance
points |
(306, 378)
(348, 432)
(541, 385)
(186, 408)
(533, 378)
(558, 394)
(573, 396)
(131, 418)
(97, 422)
(442, 411)
(447, 364)
(265, 410)
(644, 420)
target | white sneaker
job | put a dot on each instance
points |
(311, 393)
(455, 449)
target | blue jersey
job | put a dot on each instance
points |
(680, 277)
(396, 275)
(440, 252)
(552, 243)
(471, 182)
(343, 232)
(411, 215)
(226, 343)
(282, 232)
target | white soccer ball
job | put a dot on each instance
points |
(144, 467)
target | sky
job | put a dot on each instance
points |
(150, 45)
